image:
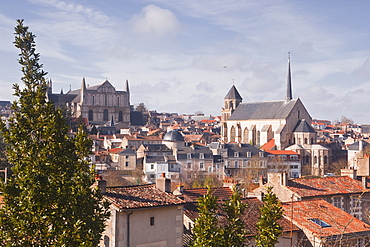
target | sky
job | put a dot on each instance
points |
(184, 56)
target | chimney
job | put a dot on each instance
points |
(364, 182)
(261, 180)
(163, 183)
(352, 173)
(102, 186)
(284, 178)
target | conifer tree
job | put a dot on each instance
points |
(234, 233)
(49, 200)
(268, 228)
(206, 231)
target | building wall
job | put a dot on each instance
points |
(166, 232)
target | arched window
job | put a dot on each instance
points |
(315, 159)
(311, 141)
(120, 116)
(106, 99)
(105, 115)
(325, 159)
(258, 137)
(246, 135)
(305, 141)
(232, 134)
(91, 115)
(117, 101)
(93, 100)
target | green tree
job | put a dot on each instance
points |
(234, 232)
(206, 231)
(49, 200)
(268, 228)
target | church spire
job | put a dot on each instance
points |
(289, 95)
(83, 89)
(127, 89)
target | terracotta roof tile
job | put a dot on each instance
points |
(269, 145)
(310, 187)
(285, 152)
(339, 221)
(141, 196)
(192, 195)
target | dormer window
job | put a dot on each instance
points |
(261, 154)
(201, 156)
(236, 154)
(249, 154)
(188, 156)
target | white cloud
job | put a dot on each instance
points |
(154, 21)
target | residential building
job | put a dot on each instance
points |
(143, 216)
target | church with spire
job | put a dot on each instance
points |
(99, 103)
(259, 122)
(279, 124)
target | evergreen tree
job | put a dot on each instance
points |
(49, 200)
(234, 232)
(206, 232)
(268, 228)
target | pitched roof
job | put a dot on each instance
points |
(303, 126)
(140, 196)
(250, 216)
(338, 222)
(233, 94)
(311, 187)
(282, 152)
(279, 109)
(268, 145)
(191, 195)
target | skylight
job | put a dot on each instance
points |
(320, 222)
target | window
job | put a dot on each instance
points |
(236, 164)
(91, 115)
(126, 164)
(120, 116)
(261, 154)
(151, 166)
(337, 201)
(293, 157)
(236, 154)
(189, 165)
(201, 156)
(249, 154)
(188, 156)
(319, 222)
(152, 221)
(201, 165)
(356, 207)
(105, 115)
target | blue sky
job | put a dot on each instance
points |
(183, 56)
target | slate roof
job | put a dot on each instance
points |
(312, 187)
(356, 145)
(140, 196)
(341, 223)
(263, 110)
(303, 126)
(136, 118)
(233, 94)
(173, 136)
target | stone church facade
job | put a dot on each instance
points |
(99, 103)
(286, 122)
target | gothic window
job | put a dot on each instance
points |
(91, 115)
(117, 101)
(311, 141)
(120, 116)
(258, 137)
(232, 134)
(93, 100)
(305, 141)
(106, 99)
(105, 115)
(246, 135)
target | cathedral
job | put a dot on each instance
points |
(99, 103)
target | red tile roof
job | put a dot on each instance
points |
(282, 152)
(311, 187)
(116, 150)
(269, 145)
(250, 216)
(141, 196)
(340, 222)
